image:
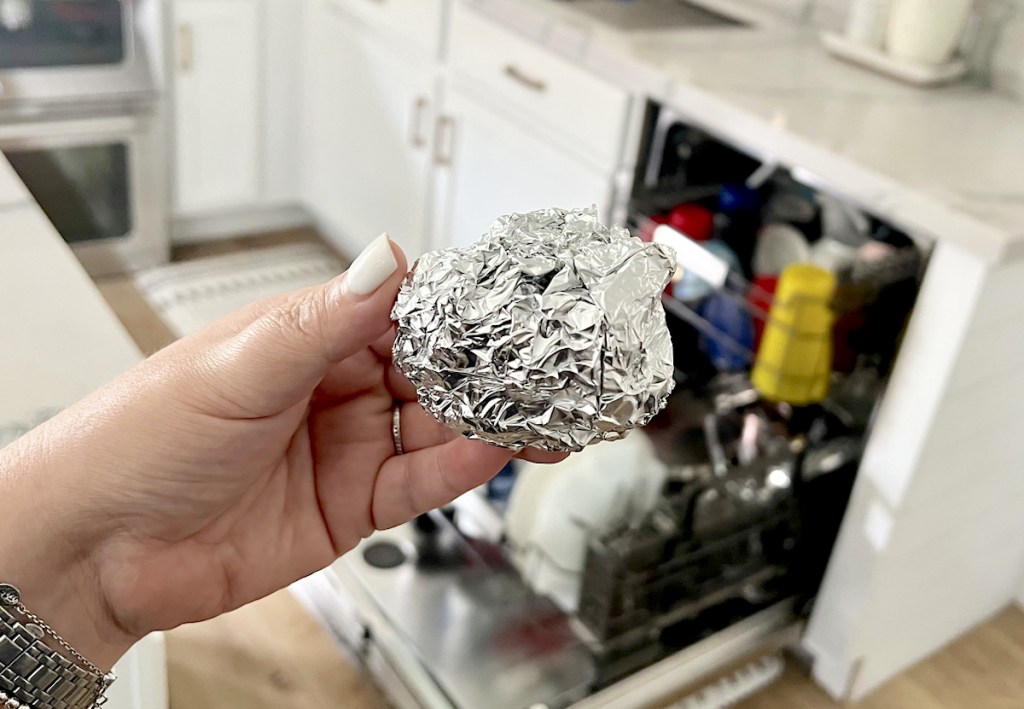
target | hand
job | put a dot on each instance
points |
(227, 466)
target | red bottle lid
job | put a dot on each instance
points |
(693, 220)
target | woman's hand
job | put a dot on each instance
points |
(227, 466)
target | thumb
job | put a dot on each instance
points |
(280, 357)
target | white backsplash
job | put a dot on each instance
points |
(1007, 64)
(995, 49)
(830, 14)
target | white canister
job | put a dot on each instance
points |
(927, 31)
(867, 22)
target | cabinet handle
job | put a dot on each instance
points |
(444, 139)
(186, 48)
(514, 73)
(419, 110)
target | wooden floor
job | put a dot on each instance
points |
(186, 252)
(268, 655)
(273, 655)
(982, 670)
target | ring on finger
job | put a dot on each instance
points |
(396, 427)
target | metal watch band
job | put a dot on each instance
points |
(34, 675)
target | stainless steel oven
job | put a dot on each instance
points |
(82, 121)
(68, 50)
(100, 179)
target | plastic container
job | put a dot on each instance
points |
(794, 362)
(729, 349)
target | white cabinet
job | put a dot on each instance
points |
(522, 129)
(933, 539)
(217, 108)
(369, 118)
(382, 153)
(488, 166)
(554, 97)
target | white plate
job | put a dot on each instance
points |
(778, 246)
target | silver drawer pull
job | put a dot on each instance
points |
(444, 141)
(513, 72)
(419, 111)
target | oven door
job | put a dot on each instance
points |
(62, 50)
(100, 182)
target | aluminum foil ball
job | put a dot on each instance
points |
(548, 332)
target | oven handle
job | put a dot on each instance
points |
(63, 130)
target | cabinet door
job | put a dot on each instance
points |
(217, 104)
(368, 118)
(488, 166)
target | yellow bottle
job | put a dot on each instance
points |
(795, 360)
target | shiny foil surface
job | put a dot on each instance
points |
(548, 332)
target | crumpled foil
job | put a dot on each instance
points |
(548, 332)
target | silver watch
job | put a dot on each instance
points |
(32, 674)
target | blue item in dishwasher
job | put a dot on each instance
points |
(500, 486)
(732, 349)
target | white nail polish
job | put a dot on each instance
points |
(374, 266)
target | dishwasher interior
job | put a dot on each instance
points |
(759, 473)
(780, 368)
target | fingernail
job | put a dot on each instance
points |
(374, 266)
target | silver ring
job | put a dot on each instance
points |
(396, 428)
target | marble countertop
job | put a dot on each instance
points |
(945, 163)
(58, 338)
(58, 342)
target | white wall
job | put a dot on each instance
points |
(830, 14)
(1008, 59)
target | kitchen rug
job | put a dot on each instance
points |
(191, 294)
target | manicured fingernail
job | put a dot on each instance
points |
(374, 266)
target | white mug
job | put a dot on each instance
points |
(927, 31)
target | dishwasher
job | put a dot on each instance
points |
(692, 600)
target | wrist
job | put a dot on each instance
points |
(51, 555)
